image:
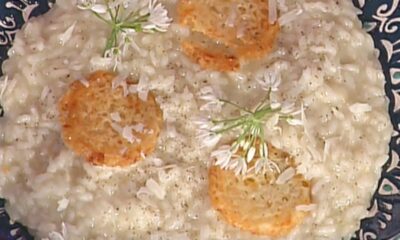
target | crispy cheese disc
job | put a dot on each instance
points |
(89, 129)
(255, 204)
(240, 26)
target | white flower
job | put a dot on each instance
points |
(272, 122)
(114, 56)
(202, 122)
(85, 4)
(208, 138)
(125, 40)
(124, 3)
(287, 108)
(270, 80)
(223, 156)
(208, 95)
(263, 165)
(142, 88)
(239, 166)
(275, 105)
(158, 19)
(263, 150)
(294, 122)
(92, 5)
(250, 154)
(99, 8)
(206, 133)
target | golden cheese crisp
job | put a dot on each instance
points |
(257, 204)
(240, 26)
(106, 126)
(217, 59)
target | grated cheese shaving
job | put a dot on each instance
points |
(143, 87)
(289, 16)
(62, 205)
(306, 208)
(44, 93)
(4, 87)
(120, 81)
(241, 31)
(149, 131)
(115, 116)
(84, 82)
(138, 127)
(66, 36)
(142, 191)
(272, 11)
(155, 188)
(230, 21)
(285, 176)
(128, 135)
(360, 108)
(116, 127)
(123, 150)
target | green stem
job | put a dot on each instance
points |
(244, 134)
(113, 18)
(112, 40)
(116, 37)
(235, 105)
(232, 126)
(102, 18)
(116, 13)
(140, 19)
(286, 117)
(228, 120)
(136, 26)
(132, 14)
(261, 135)
(266, 98)
(260, 114)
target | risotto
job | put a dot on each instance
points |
(327, 67)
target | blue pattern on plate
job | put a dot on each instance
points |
(381, 18)
(13, 14)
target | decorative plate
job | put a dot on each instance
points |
(381, 18)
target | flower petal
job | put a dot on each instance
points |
(250, 154)
(294, 122)
(99, 8)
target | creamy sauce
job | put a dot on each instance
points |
(326, 62)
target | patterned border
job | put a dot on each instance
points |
(13, 14)
(381, 18)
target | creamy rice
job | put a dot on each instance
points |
(326, 60)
